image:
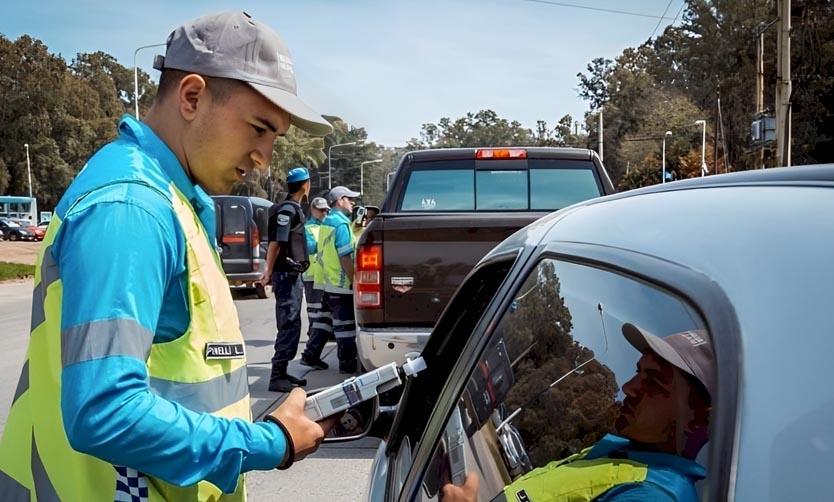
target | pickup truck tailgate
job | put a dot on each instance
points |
(427, 257)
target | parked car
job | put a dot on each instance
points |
(527, 362)
(37, 232)
(14, 231)
(445, 210)
(242, 239)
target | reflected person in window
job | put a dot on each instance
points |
(663, 424)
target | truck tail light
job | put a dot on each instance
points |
(500, 153)
(256, 240)
(368, 284)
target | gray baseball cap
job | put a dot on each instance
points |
(690, 351)
(233, 45)
(319, 203)
(337, 193)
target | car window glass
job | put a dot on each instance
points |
(558, 188)
(440, 190)
(501, 189)
(549, 387)
(262, 221)
(235, 223)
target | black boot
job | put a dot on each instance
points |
(281, 381)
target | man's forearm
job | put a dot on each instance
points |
(272, 253)
(347, 266)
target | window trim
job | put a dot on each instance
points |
(695, 288)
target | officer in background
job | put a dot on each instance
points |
(320, 327)
(286, 260)
(336, 245)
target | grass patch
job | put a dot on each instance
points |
(15, 271)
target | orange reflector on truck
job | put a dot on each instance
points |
(500, 153)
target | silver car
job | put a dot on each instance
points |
(531, 361)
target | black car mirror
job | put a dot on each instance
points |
(355, 422)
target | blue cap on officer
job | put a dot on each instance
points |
(298, 174)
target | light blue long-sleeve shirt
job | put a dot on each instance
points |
(121, 258)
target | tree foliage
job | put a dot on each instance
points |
(669, 82)
(64, 112)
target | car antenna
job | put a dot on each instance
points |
(514, 414)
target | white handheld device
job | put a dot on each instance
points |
(359, 388)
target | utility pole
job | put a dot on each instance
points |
(715, 130)
(783, 84)
(760, 89)
(600, 133)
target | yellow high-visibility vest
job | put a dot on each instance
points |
(36, 459)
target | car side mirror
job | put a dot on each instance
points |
(355, 422)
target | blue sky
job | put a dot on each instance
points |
(388, 66)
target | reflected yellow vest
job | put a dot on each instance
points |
(575, 479)
(36, 460)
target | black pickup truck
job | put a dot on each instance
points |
(445, 209)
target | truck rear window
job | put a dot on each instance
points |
(504, 185)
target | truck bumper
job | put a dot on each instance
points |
(380, 347)
(236, 278)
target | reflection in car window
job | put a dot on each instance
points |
(563, 383)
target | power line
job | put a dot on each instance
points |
(679, 12)
(661, 19)
(598, 9)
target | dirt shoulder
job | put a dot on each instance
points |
(19, 252)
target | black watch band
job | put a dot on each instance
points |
(289, 455)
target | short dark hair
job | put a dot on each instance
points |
(221, 88)
(296, 186)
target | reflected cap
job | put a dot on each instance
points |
(689, 351)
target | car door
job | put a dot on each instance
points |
(234, 236)
(542, 379)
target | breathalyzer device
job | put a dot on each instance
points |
(360, 388)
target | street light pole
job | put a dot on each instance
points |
(703, 145)
(668, 133)
(136, 75)
(362, 174)
(329, 166)
(28, 168)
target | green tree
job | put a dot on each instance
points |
(482, 129)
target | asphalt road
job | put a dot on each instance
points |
(337, 472)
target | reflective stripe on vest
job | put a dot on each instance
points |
(35, 455)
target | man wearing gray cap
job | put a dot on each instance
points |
(336, 246)
(662, 425)
(136, 388)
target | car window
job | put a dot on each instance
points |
(496, 185)
(235, 224)
(558, 188)
(440, 190)
(262, 221)
(549, 390)
(501, 189)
